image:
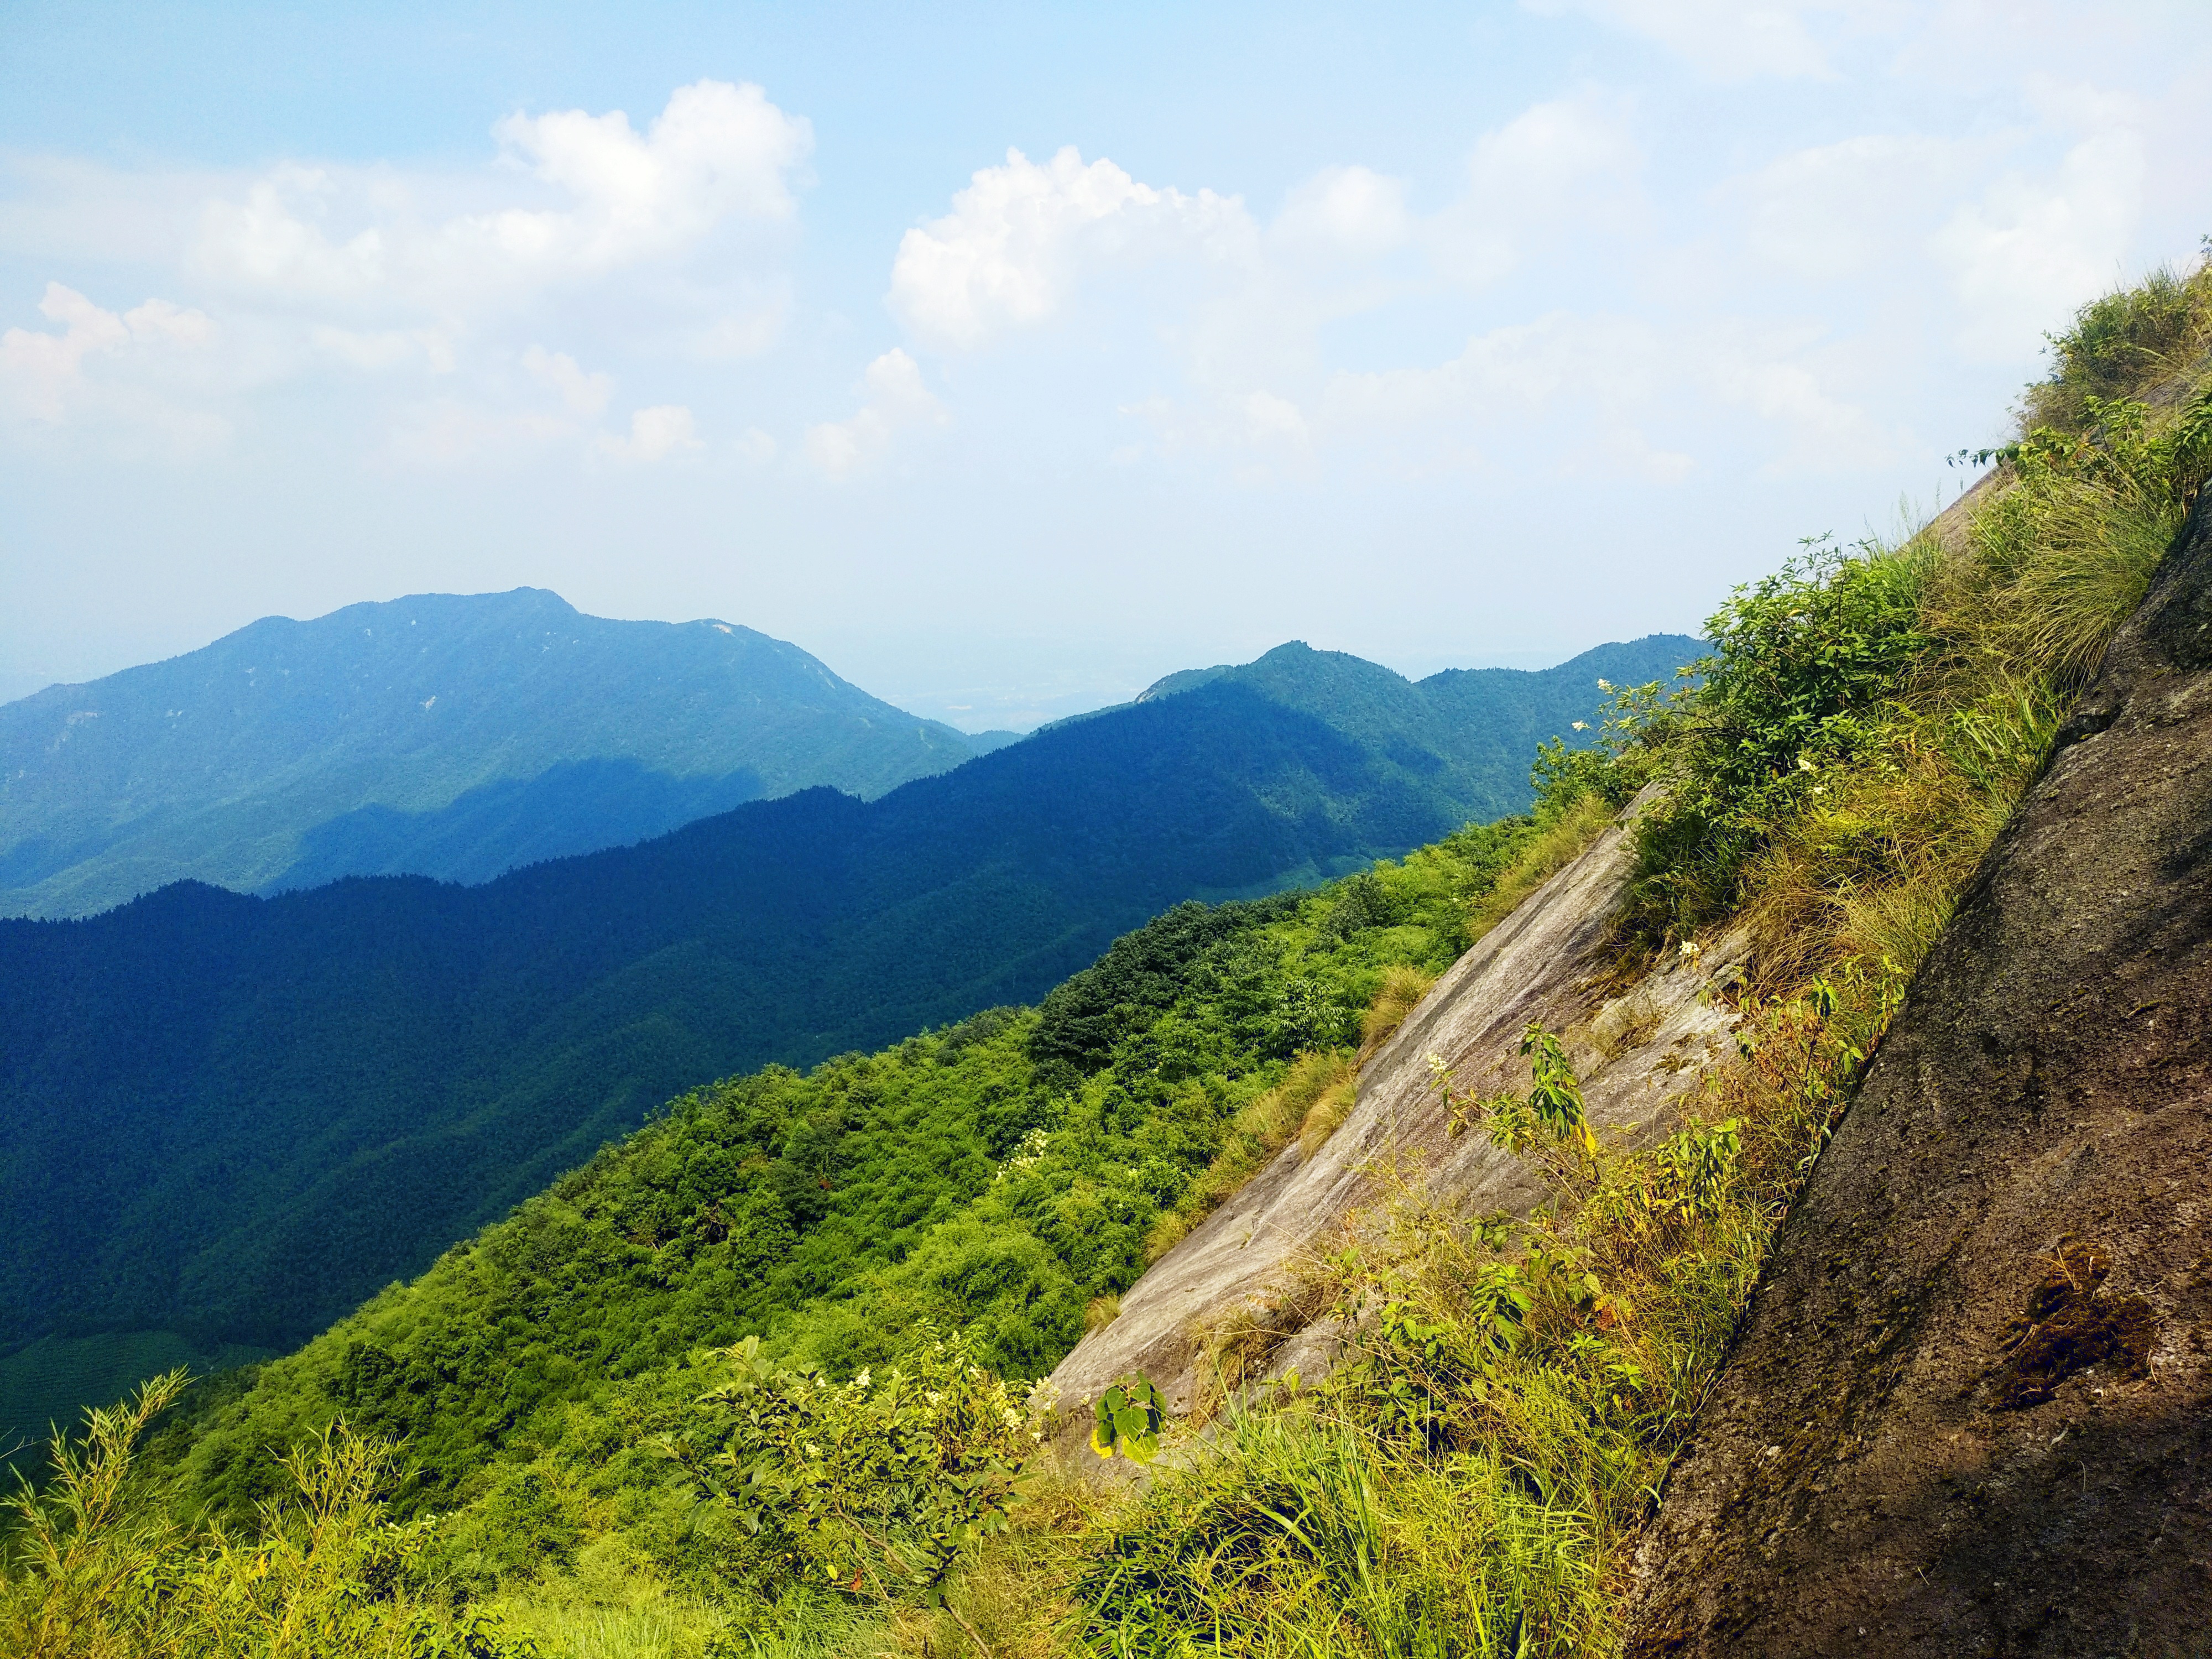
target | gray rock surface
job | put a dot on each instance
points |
(1637, 1055)
(1971, 1412)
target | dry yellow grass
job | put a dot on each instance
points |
(1263, 1129)
(1402, 988)
(1555, 847)
(1327, 1115)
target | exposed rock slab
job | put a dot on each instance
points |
(1637, 1055)
(1971, 1412)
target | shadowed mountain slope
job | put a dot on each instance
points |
(234, 1116)
(454, 736)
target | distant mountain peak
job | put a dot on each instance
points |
(448, 734)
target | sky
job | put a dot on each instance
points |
(1008, 358)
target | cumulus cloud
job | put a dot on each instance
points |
(745, 333)
(1819, 431)
(558, 373)
(1007, 254)
(1740, 40)
(1561, 163)
(897, 401)
(655, 434)
(1604, 365)
(1834, 210)
(584, 231)
(717, 153)
(754, 446)
(50, 376)
(378, 350)
(1243, 304)
(2030, 249)
(1350, 211)
(1605, 382)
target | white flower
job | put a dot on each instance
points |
(861, 1380)
(1581, 725)
(1605, 685)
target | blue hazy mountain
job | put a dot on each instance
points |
(231, 1117)
(442, 735)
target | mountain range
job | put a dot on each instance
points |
(454, 736)
(230, 1116)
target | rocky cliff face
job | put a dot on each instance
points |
(1971, 1411)
(1636, 1054)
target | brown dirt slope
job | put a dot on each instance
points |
(1971, 1411)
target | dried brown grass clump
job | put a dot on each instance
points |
(1260, 1131)
(1236, 1349)
(1556, 846)
(1400, 992)
(1327, 1115)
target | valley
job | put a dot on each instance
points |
(305, 1096)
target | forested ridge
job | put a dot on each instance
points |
(236, 1117)
(451, 735)
(997, 1176)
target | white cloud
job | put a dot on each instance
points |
(376, 350)
(1562, 163)
(1577, 388)
(718, 152)
(754, 446)
(655, 434)
(557, 372)
(1834, 210)
(1509, 372)
(1347, 210)
(1008, 252)
(1243, 309)
(1820, 432)
(51, 377)
(897, 400)
(2030, 251)
(675, 235)
(745, 333)
(1740, 39)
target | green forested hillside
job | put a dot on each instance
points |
(233, 1118)
(998, 1178)
(447, 735)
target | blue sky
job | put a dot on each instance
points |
(1009, 357)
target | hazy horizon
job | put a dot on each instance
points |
(1008, 361)
(962, 717)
